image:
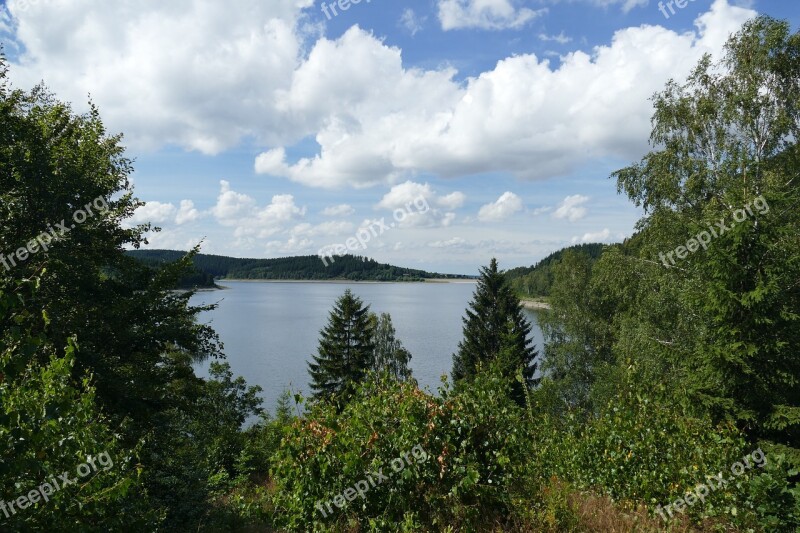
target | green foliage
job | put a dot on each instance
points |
(138, 340)
(657, 374)
(50, 425)
(474, 448)
(496, 329)
(737, 357)
(205, 453)
(345, 350)
(389, 356)
(536, 281)
(769, 500)
(659, 367)
(576, 333)
(637, 448)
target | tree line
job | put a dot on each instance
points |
(537, 280)
(347, 267)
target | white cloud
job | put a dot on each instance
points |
(272, 162)
(600, 236)
(505, 206)
(378, 122)
(294, 246)
(251, 221)
(172, 239)
(153, 212)
(572, 208)
(187, 213)
(232, 206)
(485, 14)
(281, 209)
(204, 75)
(199, 74)
(560, 38)
(453, 200)
(455, 242)
(342, 210)
(627, 5)
(418, 202)
(411, 22)
(404, 194)
(325, 229)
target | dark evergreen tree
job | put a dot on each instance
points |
(345, 350)
(496, 329)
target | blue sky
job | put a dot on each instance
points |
(268, 129)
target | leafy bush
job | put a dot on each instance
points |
(640, 450)
(473, 444)
(49, 426)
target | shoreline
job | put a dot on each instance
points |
(534, 305)
(340, 281)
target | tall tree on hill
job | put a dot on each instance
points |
(345, 350)
(495, 329)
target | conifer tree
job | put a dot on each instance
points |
(496, 329)
(345, 350)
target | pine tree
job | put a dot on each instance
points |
(389, 355)
(345, 350)
(495, 328)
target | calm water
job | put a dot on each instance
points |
(270, 330)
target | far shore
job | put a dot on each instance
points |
(535, 305)
(374, 282)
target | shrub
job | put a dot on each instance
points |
(474, 447)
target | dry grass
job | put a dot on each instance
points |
(584, 512)
(599, 513)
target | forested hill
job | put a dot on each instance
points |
(536, 281)
(347, 267)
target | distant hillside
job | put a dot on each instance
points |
(347, 267)
(535, 281)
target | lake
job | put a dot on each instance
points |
(270, 330)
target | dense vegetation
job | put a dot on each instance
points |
(536, 281)
(311, 267)
(354, 344)
(495, 330)
(670, 395)
(96, 351)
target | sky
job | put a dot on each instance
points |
(441, 132)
